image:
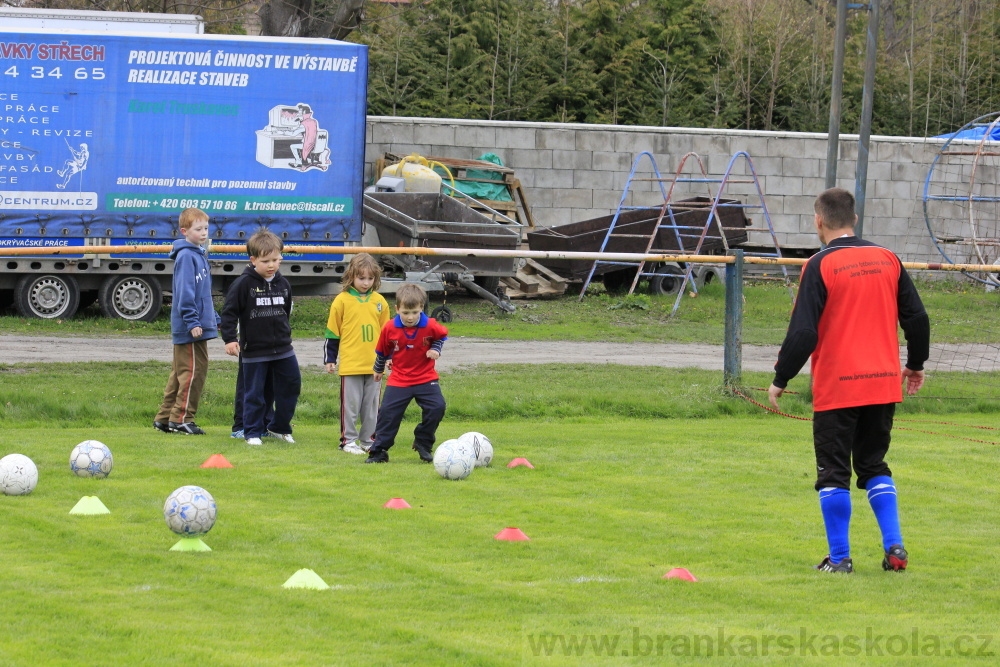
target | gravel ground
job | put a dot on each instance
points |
(457, 352)
(460, 352)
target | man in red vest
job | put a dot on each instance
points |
(851, 296)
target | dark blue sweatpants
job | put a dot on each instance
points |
(286, 384)
(238, 399)
(390, 413)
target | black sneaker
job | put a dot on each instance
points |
(377, 457)
(845, 566)
(895, 558)
(160, 426)
(187, 428)
(425, 454)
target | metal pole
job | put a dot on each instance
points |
(861, 172)
(836, 91)
(732, 368)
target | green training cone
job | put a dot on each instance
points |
(306, 578)
(190, 544)
(90, 505)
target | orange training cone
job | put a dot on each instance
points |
(216, 461)
(681, 573)
(520, 462)
(397, 504)
(511, 534)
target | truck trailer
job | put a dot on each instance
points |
(106, 135)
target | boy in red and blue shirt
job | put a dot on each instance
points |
(413, 342)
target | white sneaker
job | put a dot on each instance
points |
(287, 437)
(353, 448)
(256, 442)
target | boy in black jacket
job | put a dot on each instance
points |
(260, 301)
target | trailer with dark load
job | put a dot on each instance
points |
(682, 228)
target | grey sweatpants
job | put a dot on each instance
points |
(358, 402)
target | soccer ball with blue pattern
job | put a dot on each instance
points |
(91, 458)
(190, 511)
(454, 459)
(18, 475)
(481, 445)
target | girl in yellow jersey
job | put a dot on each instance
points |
(357, 316)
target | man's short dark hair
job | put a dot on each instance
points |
(835, 207)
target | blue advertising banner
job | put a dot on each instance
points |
(114, 135)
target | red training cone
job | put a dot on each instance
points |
(216, 461)
(520, 462)
(511, 534)
(397, 504)
(681, 573)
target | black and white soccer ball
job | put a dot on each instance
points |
(481, 445)
(18, 475)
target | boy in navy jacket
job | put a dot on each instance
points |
(255, 327)
(193, 322)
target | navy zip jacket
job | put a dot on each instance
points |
(261, 309)
(191, 304)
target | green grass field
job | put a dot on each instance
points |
(632, 478)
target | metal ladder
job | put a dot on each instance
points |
(666, 210)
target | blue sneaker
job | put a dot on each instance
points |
(238, 435)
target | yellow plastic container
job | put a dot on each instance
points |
(417, 173)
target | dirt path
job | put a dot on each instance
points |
(458, 352)
(471, 351)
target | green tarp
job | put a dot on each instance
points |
(477, 189)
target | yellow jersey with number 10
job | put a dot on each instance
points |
(357, 319)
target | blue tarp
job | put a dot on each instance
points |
(123, 132)
(975, 133)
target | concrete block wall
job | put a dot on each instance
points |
(573, 172)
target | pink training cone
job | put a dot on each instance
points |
(216, 461)
(397, 504)
(520, 462)
(681, 573)
(511, 534)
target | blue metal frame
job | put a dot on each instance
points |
(978, 122)
(667, 210)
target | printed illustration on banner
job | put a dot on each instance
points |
(74, 165)
(293, 139)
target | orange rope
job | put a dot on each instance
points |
(900, 428)
(910, 421)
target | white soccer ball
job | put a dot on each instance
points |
(190, 510)
(91, 458)
(18, 475)
(481, 445)
(454, 459)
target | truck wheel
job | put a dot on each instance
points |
(47, 297)
(442, 314)
(134, 298)
(488, 283)
(667, 280)
(709, 273)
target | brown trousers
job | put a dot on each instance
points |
(187, 379)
